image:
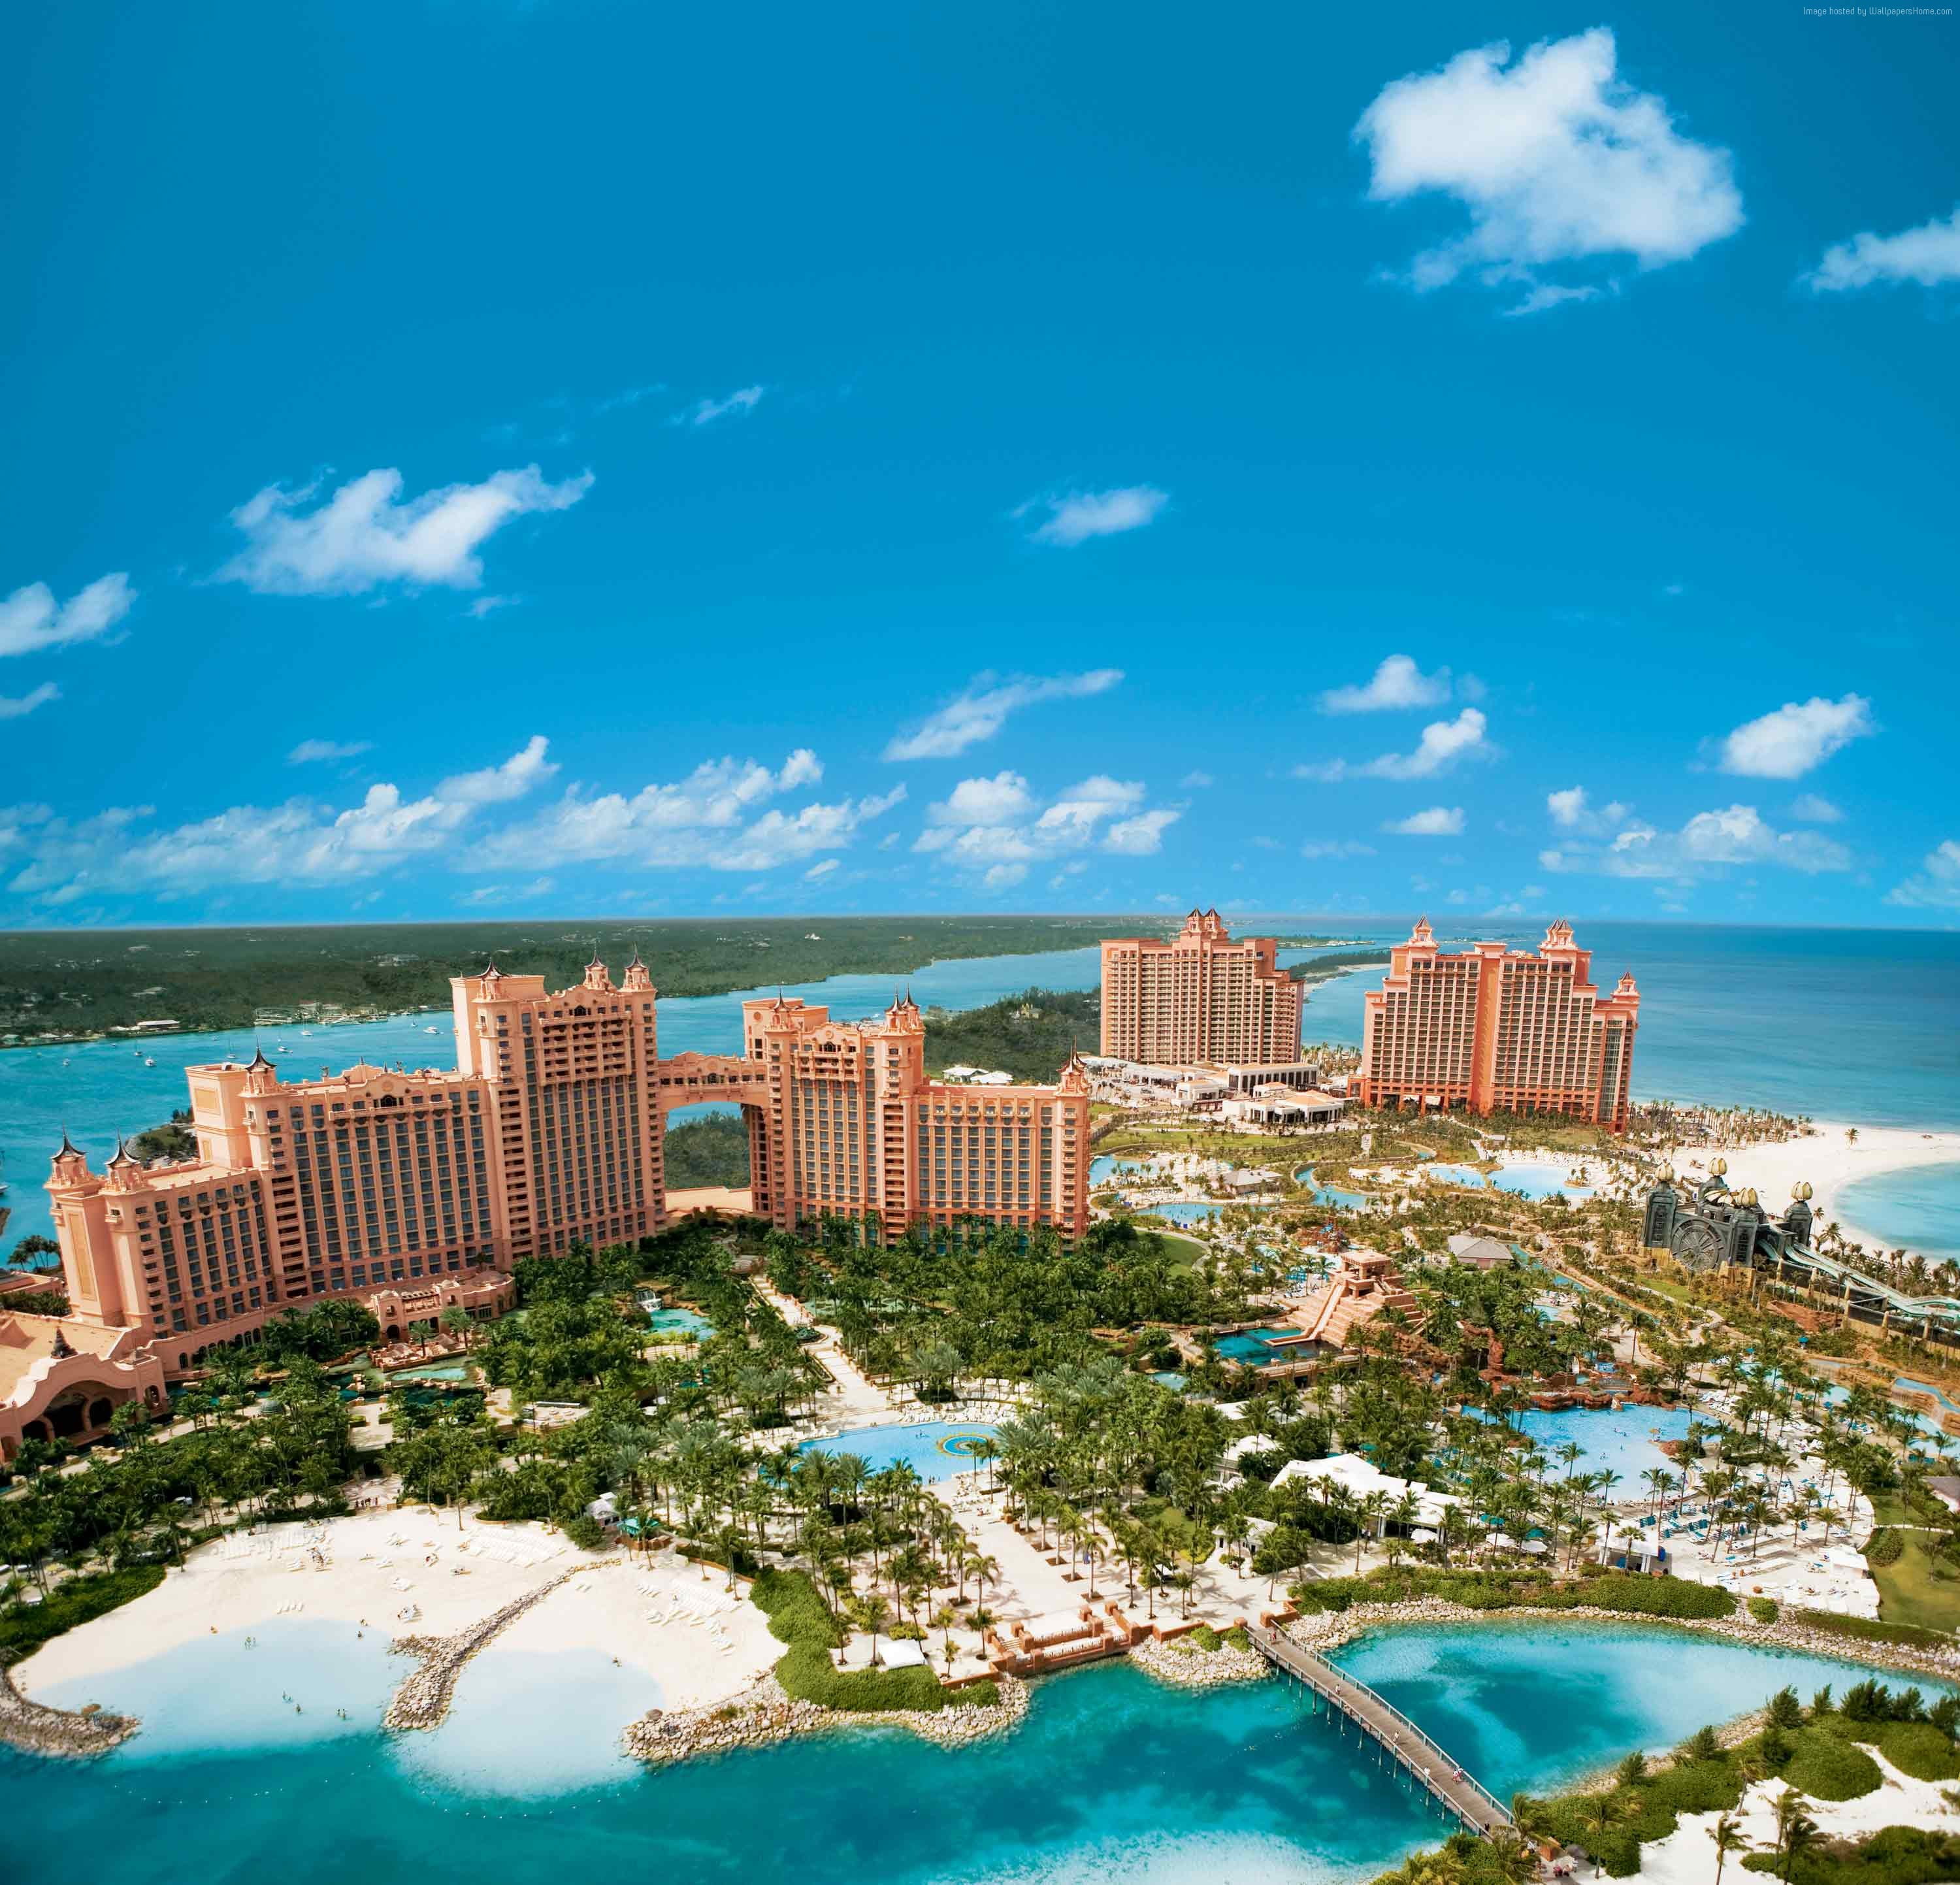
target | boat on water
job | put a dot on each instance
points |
(428, 1031)
(147, 1062)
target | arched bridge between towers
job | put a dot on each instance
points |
(694, 1080)
(1424, 1760)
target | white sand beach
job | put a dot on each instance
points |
(1687, 1855)
(412, 1572)
(1828, 1161)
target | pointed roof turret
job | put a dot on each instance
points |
(123, 1154)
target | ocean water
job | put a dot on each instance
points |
(1112, 1779)
(1917, 1209)
(1860, 1025)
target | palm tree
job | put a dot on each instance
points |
(1728, 1838)
(1797, 1832)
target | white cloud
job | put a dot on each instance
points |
(489, 605)
(32, 622)
(308, 751)
(981, 708)
(1141, 836)
(1556, 158)
(1734, 835)
(1004, 875)
(506, 893)
(739, 403)
(1788, 742)
(1928, 255)
(998, 800)
(712, 820)
(985, 822)
(1197, 781)
(1440, 821)
(1443, 744)
(1398, 683)
(364, 536)
(1815, 810)
(520, 773)
(1571, 811)
(16, 707)
(1548, 294)
(822, 868)
(1335, 848)
(1937, 886)
(1081, 514)
(716, 819)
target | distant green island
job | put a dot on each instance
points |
(87, 982)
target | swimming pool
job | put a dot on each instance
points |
(1535, 1182)
(444, 1371)
(1331, 1194)
(1615, 1439)
(1104, 1168)
(1185, 1211)
(1254, 1346)
(678, 1322)
(934, 1448)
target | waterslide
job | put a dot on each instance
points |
(1867, 1292)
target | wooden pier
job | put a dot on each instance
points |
(1420, 1758)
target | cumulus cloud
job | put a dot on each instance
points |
(984, 825)
(718, 818)
(1571, 811)
(1398, 683)
(713, 819)
(981, 708)
(1815, 810)
(743, 401)
(365, 537)
(1937, 884)
(1928, 255)
(308, 751)
(1556, 158)
(1734, 835)
(1440, 821)
(32, 622)
(1798, 736)
(1078, 516)
(17, 706)
(1444, 743)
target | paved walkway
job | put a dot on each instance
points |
(1426, 1762)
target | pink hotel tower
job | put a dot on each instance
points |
(1494, 1030)
(412, 1191)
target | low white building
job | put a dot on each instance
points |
(1361, 1477)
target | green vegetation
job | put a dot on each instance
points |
(799, 1617)
(172, 1139)
(1885, 1546)
(1764, 1609)
(24, 1627)
(86, 980)
(1873, 1630)
(1897, 1855)
(1666, 1597)
(710, 1151)
(1030, 1035)
(1335, 962)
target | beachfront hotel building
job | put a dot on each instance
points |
(399, 1188)
(1200, 998)
(1493, 1030)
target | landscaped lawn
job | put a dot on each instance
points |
(1917, 1589)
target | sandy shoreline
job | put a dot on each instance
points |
(658, 1617)
(1829, 1162)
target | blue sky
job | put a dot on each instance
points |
(575, 458)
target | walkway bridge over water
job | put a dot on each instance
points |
(1423, 1760)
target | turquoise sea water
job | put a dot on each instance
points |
(1915, 1210)
(1112, 1779)
(934, 1448)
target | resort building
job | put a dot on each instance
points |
(1361, 1478)
(1199, 997)
(414, 1192)
(1366, 1286)
(1493, 1030)
(63, 1379)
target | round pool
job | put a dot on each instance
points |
(934, 1448)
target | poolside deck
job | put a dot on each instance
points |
(1424, 1761)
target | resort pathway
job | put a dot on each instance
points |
(1425, 1762)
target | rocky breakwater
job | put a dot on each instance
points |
(423, 1699)
(35, 1728)
(1198, 1668)
(762, 1715)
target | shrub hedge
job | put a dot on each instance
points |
(798, 1617)
(1505, 1590)
(24, 1627)
(1764, 1609)
(1899, 1855)
(1870, 1630)
(1885, 1546)
(1827, 1767)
